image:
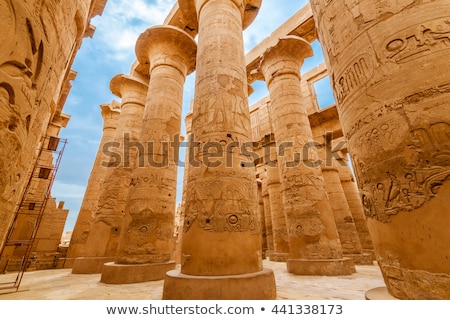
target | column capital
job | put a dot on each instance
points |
(140, 71)
(129, 88)
(110, 114)
(346, 174)
(264, 189)
(273, 175)
(287, 55)
(158, 43)
(191, 8)
(326, 168)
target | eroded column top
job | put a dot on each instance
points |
(288, 50)
(129, 88)
(191, 8)
(157, 43)
(110, 114)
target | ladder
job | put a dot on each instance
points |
(29, 211)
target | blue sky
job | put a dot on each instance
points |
(110, 52)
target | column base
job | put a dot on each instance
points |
(90, 265)
(331, 267)
(371, 252)
(114, 273)
(250, 286)
(362, 259)
(68, 263)
(380, 293)
(278, 256)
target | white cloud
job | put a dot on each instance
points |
(124, 20)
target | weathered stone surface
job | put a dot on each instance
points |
(310, 221)
(34, 79)
(354, 202)
(389, 66)
(115, 273)
(345, 225)
(267, 216)
(104, 233)
(147, 239)
(221, 230)
(77, 248)
(254, 286)
(262, 218)
(279, 227)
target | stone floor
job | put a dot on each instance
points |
(61, 284)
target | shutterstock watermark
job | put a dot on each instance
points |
(213, 154)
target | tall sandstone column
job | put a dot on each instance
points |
(313, 239)
(267, 216)
(391, 76)
(222, 239)
(103, 239)
(348, 234)
(110, 114)
(147, 242)
(280, 251)
(354, 203)
(262, 218)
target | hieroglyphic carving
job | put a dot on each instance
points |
(214, 111)
(152, 179)
(354, 76)
(422, 168)
(141, 236)
(418, 40)
(20, 65)
(111, 203)
(297, 187)
(377, 110)
(338, 40)
(226, 210)
(309, 226)
(401, 281)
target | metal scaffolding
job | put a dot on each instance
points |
(30, 210)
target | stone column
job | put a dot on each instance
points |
(354, 202)
(392, 86)
(313, 239)
(348, 235)
(179, 240)
(262, 218)
(77, 248)
(267, 216)
(103, 239)
(279, 228)
(147, 242)
(222, 240)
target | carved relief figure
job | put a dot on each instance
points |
(19, 68)
(422, 168)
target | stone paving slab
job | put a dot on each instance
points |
(61, 284)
